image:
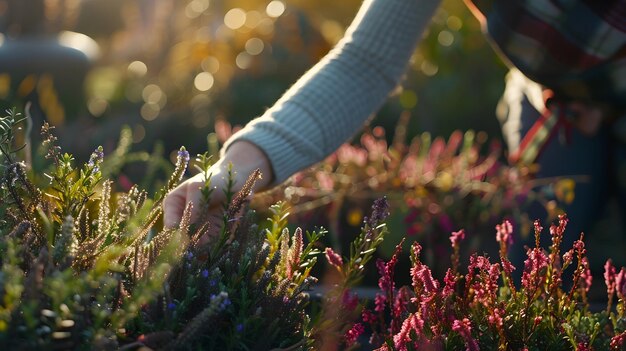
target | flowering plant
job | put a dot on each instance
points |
(483, 308)
(85, 267)
(435, 186)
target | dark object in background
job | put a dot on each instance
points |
(42, 64)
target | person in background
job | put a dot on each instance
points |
(563, 108)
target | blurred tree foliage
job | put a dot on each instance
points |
(170, 69)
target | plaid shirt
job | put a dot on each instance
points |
(577, 48)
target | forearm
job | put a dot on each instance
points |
(333, 100)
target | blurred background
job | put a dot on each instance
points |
(170, 69)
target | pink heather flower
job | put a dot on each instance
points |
(456, 237)
(507, 266)
(495, 318)
(533, 277)
(504, 233)
(579, 246)
(403, 297)
(450, 284)
(379, 303)
(587, 279)
(349, 300)
(412, 323)
(620, 283)
(557, 231)
(464, 328)
(484, 283)
(563, 220)
(538, 227)
(386, 271)
(618, 341)
(609, 277)
(583, 346)
(385, 283)
(416, 249)
(354, 333)
(538, 320)
(568, 257)
(431, 285)
(368, 316)
(477, 263)
(333, 258)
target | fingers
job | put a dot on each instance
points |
(174, 205)
(175, 202)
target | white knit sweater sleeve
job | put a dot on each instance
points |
(332, 101)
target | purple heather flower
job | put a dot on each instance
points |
(184, 155)
(225, 303)
(380, 211)
(205, 274)
(96, 157)
(220, 302)
(239, 328)
(171, 306)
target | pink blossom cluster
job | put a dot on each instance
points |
(484, 306)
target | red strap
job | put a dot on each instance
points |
(552, 119)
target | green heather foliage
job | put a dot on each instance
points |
(86, 268)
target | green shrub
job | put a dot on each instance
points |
(86, 267)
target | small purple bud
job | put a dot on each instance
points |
(184, 155)
(239, 328)
(205, 274)
(171, 306)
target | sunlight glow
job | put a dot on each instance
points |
(204, 81)
(235, 18)
(275, 8)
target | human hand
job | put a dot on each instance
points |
(245, 158)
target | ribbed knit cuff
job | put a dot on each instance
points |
(286, 158)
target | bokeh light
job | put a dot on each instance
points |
(254, 46)
(454, 23)
(97, 106)
(203, 81)
(235, 18)
(445, 38)
(243, 60)
(210, 64)
(275, 8)
(138, 68)
(150, 111)
(429, 68)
